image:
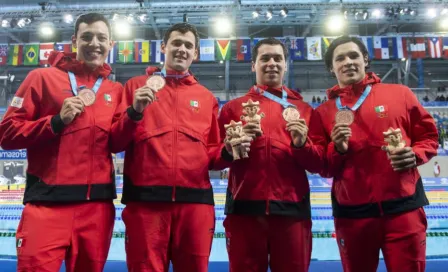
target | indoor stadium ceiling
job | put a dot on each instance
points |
(25, 15)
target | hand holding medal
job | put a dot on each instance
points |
(341, 131)
(83, 97)
(344, 118)
(145, 95)
(71, 108)
(296, 126)
(340, 135)
(299, 132)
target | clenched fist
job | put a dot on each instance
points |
(340, 135)
(71, 108)
(143, 97)
(299, 132)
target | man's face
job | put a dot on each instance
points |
(180, 51)
(93, 43)
(270, 65)
(349, 65)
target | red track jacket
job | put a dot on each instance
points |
(169, 152)
(365, 184)
(273, 179)
(65, 163)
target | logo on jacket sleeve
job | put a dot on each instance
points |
(381, 111)
(17, 102)
(19, 243)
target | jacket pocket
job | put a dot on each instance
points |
(191, 150)
(75, 150)
(77, 125)
(192, 160)
(155, 148)
(248, 176)
(288, 181)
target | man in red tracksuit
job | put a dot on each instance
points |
(268, 210)
(169, 214)
(69, 213)
(377, 196)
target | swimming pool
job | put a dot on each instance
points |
(324, 244)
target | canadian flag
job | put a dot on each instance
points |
(435, 47)
(44, 52)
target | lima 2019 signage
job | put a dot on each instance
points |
(13, 155)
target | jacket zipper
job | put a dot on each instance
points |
(268, 155)
(173, 196)
(92, 150)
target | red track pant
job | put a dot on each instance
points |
(157, 233)
(254, 243)
(78, 233)
(401, 237)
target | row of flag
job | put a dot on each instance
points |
(122, 52)
(311, 48)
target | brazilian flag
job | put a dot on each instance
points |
(31, 54)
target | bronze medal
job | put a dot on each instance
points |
(291, 114)
(87, 96)
(155, 82)
(344, 117)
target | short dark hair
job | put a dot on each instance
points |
(341, 40)
(90, 18)
(182, 28)
(269, 41)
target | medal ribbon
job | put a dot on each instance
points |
(283, 101)
(358, 103)
(163, 74)
(75, 86)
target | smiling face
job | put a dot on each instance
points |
(270, 65)
(349, 64)
(180, 51)
(93, 43)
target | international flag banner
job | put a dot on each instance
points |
(418, 48)
(31, 54)
(125, 52)
(223, 49)
(368, 42)
(15, 54)
(3, 54)
(435, 47)
(243, 50)
(156, 51)
(63, 47)
(45, 50)
(297, 49)
(207, 49)
(314, 48)
(142, 52)
(381, 47)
